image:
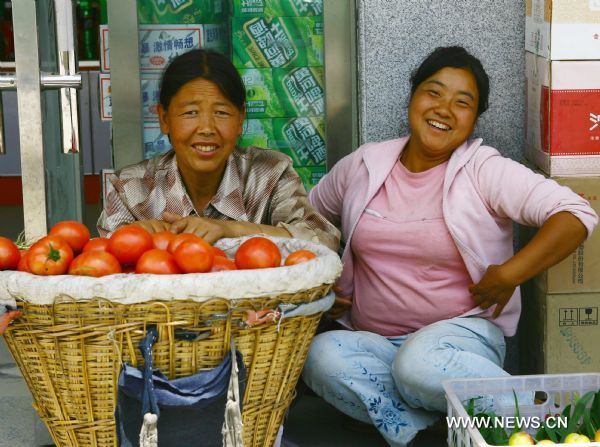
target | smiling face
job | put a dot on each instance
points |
(442, 114)
(203, 126)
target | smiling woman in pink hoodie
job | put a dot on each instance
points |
(430, 284)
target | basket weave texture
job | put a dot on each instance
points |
(70, 353)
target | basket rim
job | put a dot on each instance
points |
(129, 289)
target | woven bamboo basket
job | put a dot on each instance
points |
(70, 348)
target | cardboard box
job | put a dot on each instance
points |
(150, 89)
(563, 116)
(563, 29)
(301, 138)
(277, 42)
(159, 44)
(261, 99)
(257, 133)
(559, 333)
(155, 142)
(277, 8)
(580, 271)
(301, 90)
(284, 92)
(105, 96)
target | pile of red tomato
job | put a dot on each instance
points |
(68, 249)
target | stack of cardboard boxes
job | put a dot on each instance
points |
(559, 328)
(277, 46)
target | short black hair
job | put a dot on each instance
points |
(455, 57)
(206, 64)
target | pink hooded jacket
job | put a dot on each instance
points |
(483, 194)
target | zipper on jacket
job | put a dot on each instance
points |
(462, 248)
(362, 209)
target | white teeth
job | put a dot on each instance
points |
(204, 148)
(438, 125)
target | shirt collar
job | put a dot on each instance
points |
(228, 199)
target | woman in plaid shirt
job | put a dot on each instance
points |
(207, 185)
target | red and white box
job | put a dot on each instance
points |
(563, 116)
(563, 29)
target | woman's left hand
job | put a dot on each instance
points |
(211, 230)
(495, 288)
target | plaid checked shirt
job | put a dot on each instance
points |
(258, 186)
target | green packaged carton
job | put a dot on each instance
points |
(302, 138)
(300, 90)
(277, 8)
(258, 133)
(283, 92)
(262, 100)
(182, 11)
(277, 42)
(216, 37)
(103, 12)
(310, 175)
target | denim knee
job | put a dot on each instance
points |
(321, 361)
(416, 382)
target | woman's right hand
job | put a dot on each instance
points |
(153, 225)
(341, 305)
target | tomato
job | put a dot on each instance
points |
(96, 244)
(299, 256)
(74, 233)
(162, 238)
(177, 240)
(95, 263)
(258, 253)
(23, 265)
(129, 268)
(51, 255)
(218, 252)
(9, 254)
(221, 263)
(6, 318)
(194, 255)
(159, 262)
(128, 243)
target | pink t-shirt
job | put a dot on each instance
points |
(408, 272)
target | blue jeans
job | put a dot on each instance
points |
(396, 383)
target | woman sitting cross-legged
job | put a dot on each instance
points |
(430, 282)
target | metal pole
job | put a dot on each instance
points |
(127, 121)
(30, 118)
(340, 78)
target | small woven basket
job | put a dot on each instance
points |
(70, 348)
